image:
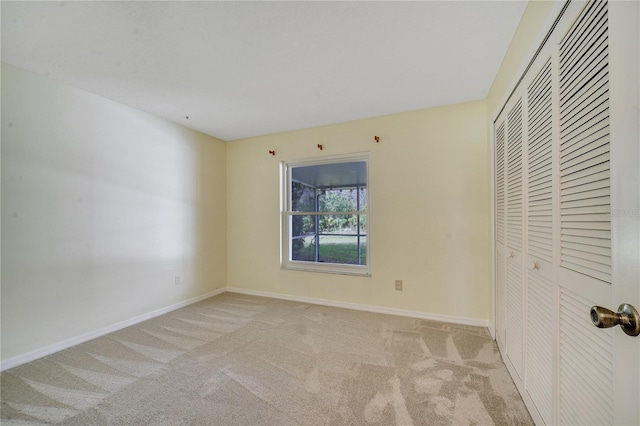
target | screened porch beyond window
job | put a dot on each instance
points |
(328, 213)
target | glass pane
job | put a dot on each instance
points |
(334, 175)
(303, 225)
(363, 223)
(303, 249)
(343, 249)
(342, 224)
(302, 198)
(338, 200)
(362, 195)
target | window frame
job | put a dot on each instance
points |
(286, 214)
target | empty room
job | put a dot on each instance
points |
(320, 213)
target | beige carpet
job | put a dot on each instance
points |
(242, 360)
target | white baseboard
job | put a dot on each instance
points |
(362, 307)
(56, 347)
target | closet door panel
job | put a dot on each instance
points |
(514, 204)
(540, 239)
(539, 166)
(586, 370)
(514, 311)
(585, 222)
(500, 230)
(500, 182)
(539, 343)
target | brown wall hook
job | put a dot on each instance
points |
(272, 152)
(376, 138)
(320, 147)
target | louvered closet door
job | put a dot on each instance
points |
(500, 231)
(571, 218)
(540, 239)
(514, 238)
(586, 353)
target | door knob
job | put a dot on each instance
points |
(627, 317)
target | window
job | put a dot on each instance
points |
(325, 215)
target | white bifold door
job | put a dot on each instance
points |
(567, 219)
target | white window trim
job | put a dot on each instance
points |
(285, 214)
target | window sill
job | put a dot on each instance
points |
(328, 268)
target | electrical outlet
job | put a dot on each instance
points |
(177, 280)
(399, 285)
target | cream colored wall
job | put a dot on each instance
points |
(102, 205)
(430, 211)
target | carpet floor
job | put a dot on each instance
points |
(242, 360)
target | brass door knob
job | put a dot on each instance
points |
(627, 317)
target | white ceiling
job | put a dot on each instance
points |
(239, 69)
